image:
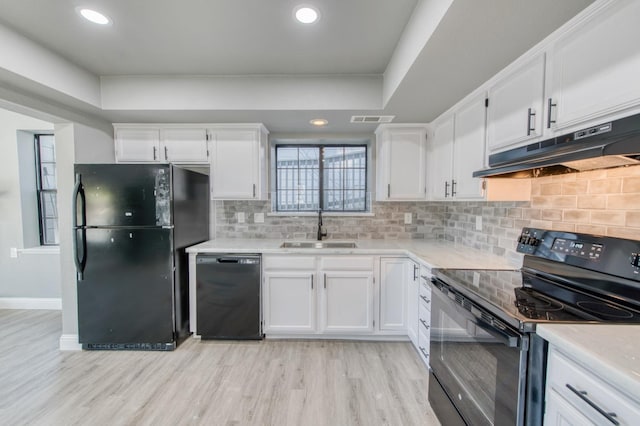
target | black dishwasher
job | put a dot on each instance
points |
(228, 296)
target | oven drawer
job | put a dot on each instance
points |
(592, 396)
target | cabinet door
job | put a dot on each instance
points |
(347, 302)
(185, 145)
(234, 164)
(394, 280)
(412, 302)
(469, 149)
(441, 159)
(595, 67)
(403, 160)
(137, 145)
(289, 302)
(514, 114)
(559, 412)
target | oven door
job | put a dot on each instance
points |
(478, 361)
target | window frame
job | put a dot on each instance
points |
(321, 184)
(40, 190)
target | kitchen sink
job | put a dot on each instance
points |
(318, 244)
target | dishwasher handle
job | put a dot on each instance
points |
(233, 260)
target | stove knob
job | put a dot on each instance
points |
(635, 259)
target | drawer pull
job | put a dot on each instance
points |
(425, 299)
(425, 324)
(424, 352)
(583, 396)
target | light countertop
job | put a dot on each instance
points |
(436, 254)
(609, 351)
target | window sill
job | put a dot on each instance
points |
(325, 214)
(40, 250)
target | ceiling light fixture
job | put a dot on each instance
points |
(306, 14)
(319, 122)
(94, 16)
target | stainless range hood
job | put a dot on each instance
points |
(611, 144)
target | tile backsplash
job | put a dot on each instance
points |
(604, 202)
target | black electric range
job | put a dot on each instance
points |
(487, 363)
(565, 277)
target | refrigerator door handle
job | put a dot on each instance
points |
(81, 262)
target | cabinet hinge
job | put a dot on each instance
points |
(486, 102)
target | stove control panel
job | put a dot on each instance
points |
(578, 248)
(635, 259)
(529, 240)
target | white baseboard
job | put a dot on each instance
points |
(30, 303)
(69, 342)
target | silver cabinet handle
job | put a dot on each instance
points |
(425, 324)
(166, 153)
(155, 153)
(388, 190)
(311, 281)
(415, 272)
(325, 280)
(531, 113)
(424, 352)
(254, 190)
(453, 187)
(583, 395)
(446, 189)
(550, 105)
(425, 299)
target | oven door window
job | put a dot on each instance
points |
(479, 371)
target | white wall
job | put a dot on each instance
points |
(34, 274)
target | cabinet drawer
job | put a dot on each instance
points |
(289, 263)
(424, 318)
(423, 345)
(562, 373)
(425, 296)
(347, 263)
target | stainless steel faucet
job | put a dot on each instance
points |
(320, 232)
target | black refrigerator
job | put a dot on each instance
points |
(132, 223)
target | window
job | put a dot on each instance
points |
(47, 189)
(327, 177)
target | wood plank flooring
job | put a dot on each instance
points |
(273, 382)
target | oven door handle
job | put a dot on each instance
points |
(509, 339)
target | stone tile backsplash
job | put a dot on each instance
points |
(604, 202)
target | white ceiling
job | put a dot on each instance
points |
(354, 38)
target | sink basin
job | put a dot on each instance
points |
(318, 244)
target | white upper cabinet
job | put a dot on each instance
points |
(401, 162)
(148, 143)
(595, 66)
(516, 106)
(469, 149)
(457, 150)
(184, 145)
(138, 145)
(238, 162)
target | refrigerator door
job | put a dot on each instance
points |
(125, 194)
(127, 294)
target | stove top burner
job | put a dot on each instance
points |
(604, 310)
(534, 305)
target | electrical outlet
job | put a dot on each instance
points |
(240, 217)
(476, 279)
(258, 217)
(407, 218)
(478, 223)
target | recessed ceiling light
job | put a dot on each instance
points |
(94, 16)
(306, 14)
(319, 122)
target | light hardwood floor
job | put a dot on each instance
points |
(271, 382)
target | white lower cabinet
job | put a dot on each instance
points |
(394, 281)
(346, 303)
(424, 314)
(577, 396)
(329, 295)
(289, 302)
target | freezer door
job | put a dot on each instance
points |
(125, 194)
(127, 294)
